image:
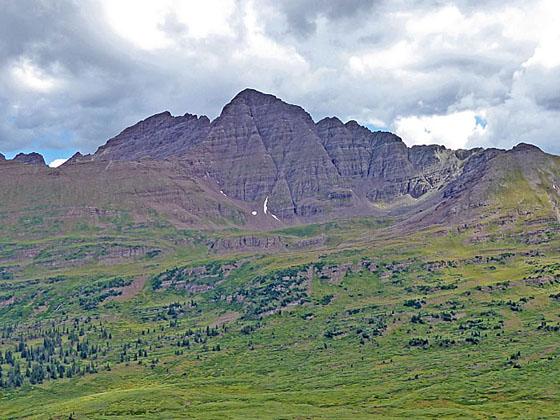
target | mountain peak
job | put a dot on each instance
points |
(249, 93)
(164, 114)
(526, 147)
(158, 136)
(352, 123)
(252, 102)
(263, 148)
(330, 122)
(252, 97)
(32, 158)
(76, 158)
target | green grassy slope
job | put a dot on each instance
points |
(140, 318)
(428, 326)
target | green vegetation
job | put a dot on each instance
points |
(147, 321)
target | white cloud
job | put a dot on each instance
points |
(261, 47)
(452, 130)
(205, 18)
(396, 57)
(31, 77)
(145, 23)
(57, 162)
(138, 21)
(540, 24)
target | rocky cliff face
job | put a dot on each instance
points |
(263, 149)
(30, 159)
(264, 164)
(272, 159)
(76, 158)
(381, 165)
(158, 137)
(505, 186)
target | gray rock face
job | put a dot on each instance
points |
(350, 146)
(485, 179)
(525, 147)
(264, 163)
(262, 147)
(2, 157)
(157, 137)
(387, 167)
(77, 158)
(30, 159)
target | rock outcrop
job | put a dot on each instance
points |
(30, 159)
(157, 137)
(260, 146)
(77, 158)
(380, 165)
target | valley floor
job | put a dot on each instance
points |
(426, 326)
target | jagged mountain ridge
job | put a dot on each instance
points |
(159, 136)
(262, 147)
(32, 158)
(263, 162)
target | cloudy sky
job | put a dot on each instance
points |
(462, 73)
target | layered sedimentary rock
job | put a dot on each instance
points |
(157, 137)
(269, 158)
(260, 146)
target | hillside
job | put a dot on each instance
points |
(374, 279)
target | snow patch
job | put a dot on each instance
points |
(265, 209)
(223, 193)
(254, 212)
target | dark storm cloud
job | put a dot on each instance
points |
(302, 16)
(69, 80)
(67, 43)
(105, 82)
